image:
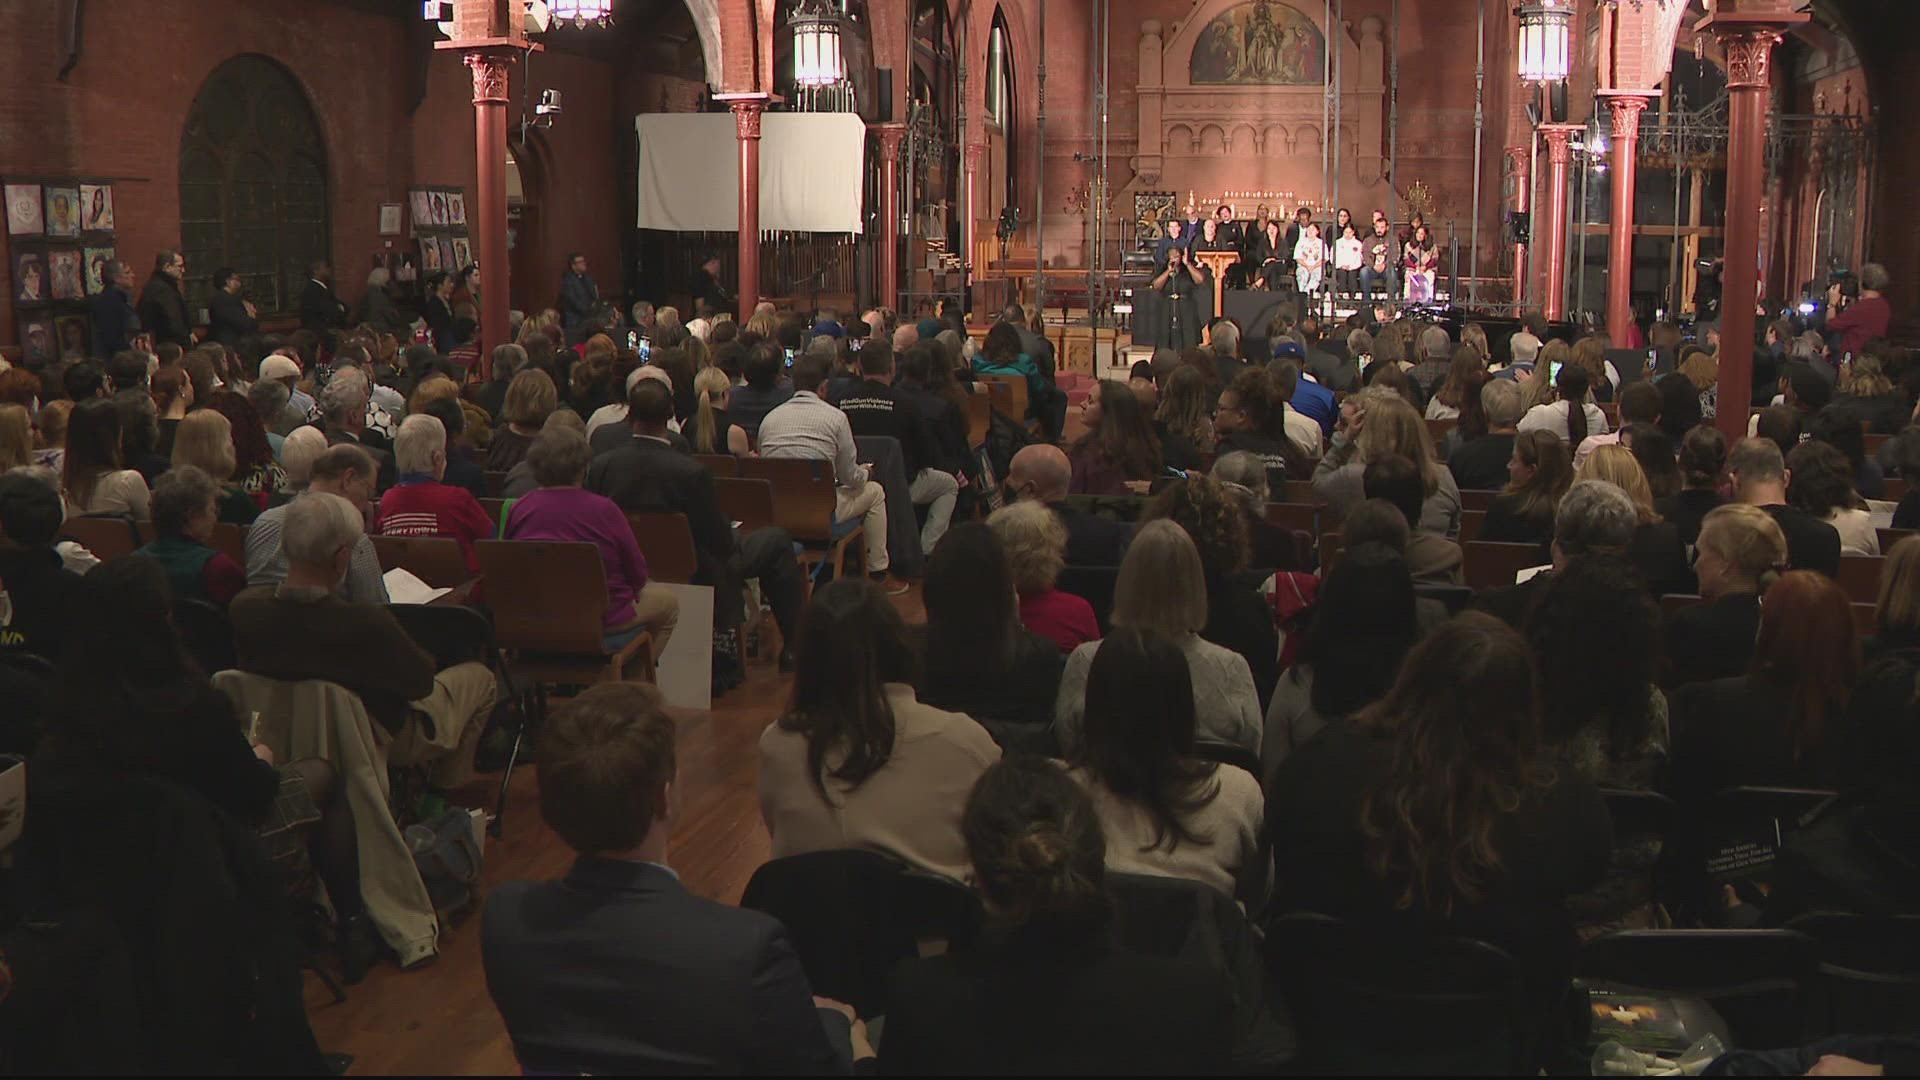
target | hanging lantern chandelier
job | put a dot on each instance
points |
(581, 13)
(1545, 51)
(816, 44)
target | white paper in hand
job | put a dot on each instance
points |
(404, 588)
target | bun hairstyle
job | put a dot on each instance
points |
(1038, 853)
(1748, 540)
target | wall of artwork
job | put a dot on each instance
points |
(60, 242)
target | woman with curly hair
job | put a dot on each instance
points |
(1181, 422)
(1119, 447)
(1436, 806)
(1238, 618)
(591, 384)
(1035, 541)
(1590, 356)
(1821, 484)
(254, 471)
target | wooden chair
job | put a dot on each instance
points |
(747, 501)
(1016, 394)
(1873, 443)
(1331, 548)
(1471, 522)
(496, 482)
(435, 560)
(1866, 619)
(1890, 537)
(1611, 410)
(1491, 565)
(719, 464)
(980, 417)
(496, 512)
(549, 602)
(803, 504)
(1293, 491)
(667, 543)
(1438, 429)
(1860, 577)
(1476, 499)
(1288, 515)
(230, 540)
(1896, 489)
(999, 396)
(107, 537)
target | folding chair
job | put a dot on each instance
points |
(1757, 980)
(719, 464)
(230, 540)
(456, 634)
(1476, 499)
(667, 543)
(108, 537)
(1860, 577)
(1491, 565)
(747, 501)
(435, 560)
(495, 481)
(803, 504)
(1471, 522)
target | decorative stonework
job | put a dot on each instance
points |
(1749, 56)
(490, 75)
(1559, 144)
(1626, 110)
(746, 118)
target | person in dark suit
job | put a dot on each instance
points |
(163, 306)
(1043, 472)
(649, 475)
(438, 311)
(707, 290)
(579, 296)
(230, 316)
(618, 968)
(1759, 473)
(320, 309)
(114, 320)
(1047, 990)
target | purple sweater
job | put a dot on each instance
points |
(571, 513)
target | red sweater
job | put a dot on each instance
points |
(420, 507)
(1062, 618)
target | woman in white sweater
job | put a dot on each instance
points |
(1820, 482)
(1560, 416)
(1164, 809)
(1162, 587)
(94, 478)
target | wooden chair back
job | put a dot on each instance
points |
(747, 501)
(1860, 577)
(496, 511)
(1890, 537)
(803, 494)
(1866, 619)
(980, 417)
(1471, 522)
(230, 540)
(107, 537)
(667, 543)
(1896, 489)
(1437, 429)
(1491, 565)
(1476, 499)
(719, 464)
(546, 596)
(435, 560)
(1016, 393)
(1288, 515)
(495, 481)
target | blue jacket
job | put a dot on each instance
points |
(114, 322)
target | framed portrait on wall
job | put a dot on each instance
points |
(96, 207)
(456, 208)
(422, 208)
(438, 199)
(429, 254)
(446, 254)
(66, 279)
(462, 252)
(30, 278)
(24, 217)
(390, 219)
(36, 338)
(63, 211)
(98, 259)
(1151, 209)
(71, 334)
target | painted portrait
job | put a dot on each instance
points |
(98, 261)
(439, 208)
(1260, 43)
(456, 209)
(96, 207)
(446, 254)
(462, 252)
(422, 208)
(30, 279)
(24, 217)
(36, 340)
(63, 211)
(429, 253)
(64, 275)
(71, 331)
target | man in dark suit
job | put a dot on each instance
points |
(618, 968)
(230, 317)
(114, 320)
(1042, 472)
(320, 309)
(1760, 477)
(708, 291)
(163, 306)
(579, 296)
(649, 475)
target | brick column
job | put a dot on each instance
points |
(891, 136)
(1748, 38)
(490, 77)
(1626, 107)
(1559, 155)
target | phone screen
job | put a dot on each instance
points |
(633, 339)
(1553, 371)
(789, 357)
(646, 349)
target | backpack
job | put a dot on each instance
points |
(446, 851)
(1005, 438)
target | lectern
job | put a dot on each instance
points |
(1216, 263)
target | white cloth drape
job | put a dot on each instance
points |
(811, 169)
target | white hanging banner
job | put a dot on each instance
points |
(811, 170)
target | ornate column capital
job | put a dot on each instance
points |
(1625, 108)
(1559, 142)
(974, 152)
(891, 134)
(1522, 158)
(1749, 55)
(746, 118)
(490, 75)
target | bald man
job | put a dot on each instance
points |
(1041, 472)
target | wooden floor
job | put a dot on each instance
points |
(439, 1020)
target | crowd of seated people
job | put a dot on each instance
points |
(1222, 715)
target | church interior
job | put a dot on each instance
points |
(990, 536)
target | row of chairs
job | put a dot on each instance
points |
(111, 536)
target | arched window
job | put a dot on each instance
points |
(253, 184)
(999, 75)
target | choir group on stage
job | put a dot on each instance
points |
(1334, 261)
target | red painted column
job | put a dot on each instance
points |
(1626, 107)
(1559, 155)
(746, 130)
(891, 136)
(1748, 40)
(490, 70)
(1522, 202)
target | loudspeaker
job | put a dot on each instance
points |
(1519, 227)
(883, 95)
(1557, 102)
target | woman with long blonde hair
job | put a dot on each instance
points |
(1375, 424)
(1741, 552)
(16, 437)
(1656, 548)
(713, 432)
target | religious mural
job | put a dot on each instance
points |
(1260, 44)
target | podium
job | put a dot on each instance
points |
(1216, 263)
